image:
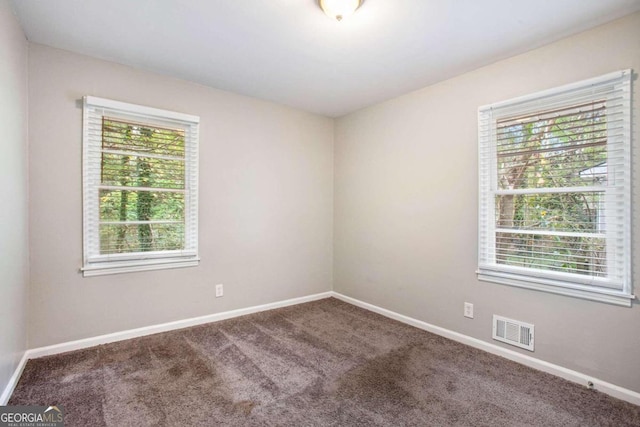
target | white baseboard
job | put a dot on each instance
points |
(13, 381)
(568, 374)
(147, 330)
(164, 327)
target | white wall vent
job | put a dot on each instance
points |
(513, 332)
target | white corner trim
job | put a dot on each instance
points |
(13, 381)
(541, 365)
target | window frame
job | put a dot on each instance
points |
(589, 287)
(94, 263)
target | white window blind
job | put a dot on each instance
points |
(140, 185)
(554, 190)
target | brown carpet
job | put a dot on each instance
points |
(325, 363)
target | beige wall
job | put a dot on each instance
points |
(403, 214)
(14, 250)
(406, 202)
(266, 192)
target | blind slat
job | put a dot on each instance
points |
(140, 183)
(554, 184)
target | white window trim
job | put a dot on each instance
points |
(489, 271)
(95, 264)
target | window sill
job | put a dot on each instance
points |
(105, 268)
(593, 294)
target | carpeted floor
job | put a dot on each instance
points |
(325, 363)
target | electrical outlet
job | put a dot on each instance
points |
(219, 290)
(468, 310)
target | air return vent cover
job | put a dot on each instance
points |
(513, 332)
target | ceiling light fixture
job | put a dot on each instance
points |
(339, 9)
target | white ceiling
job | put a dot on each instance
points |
(288, 51)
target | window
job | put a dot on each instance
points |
(554, 194)
(140, 188)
